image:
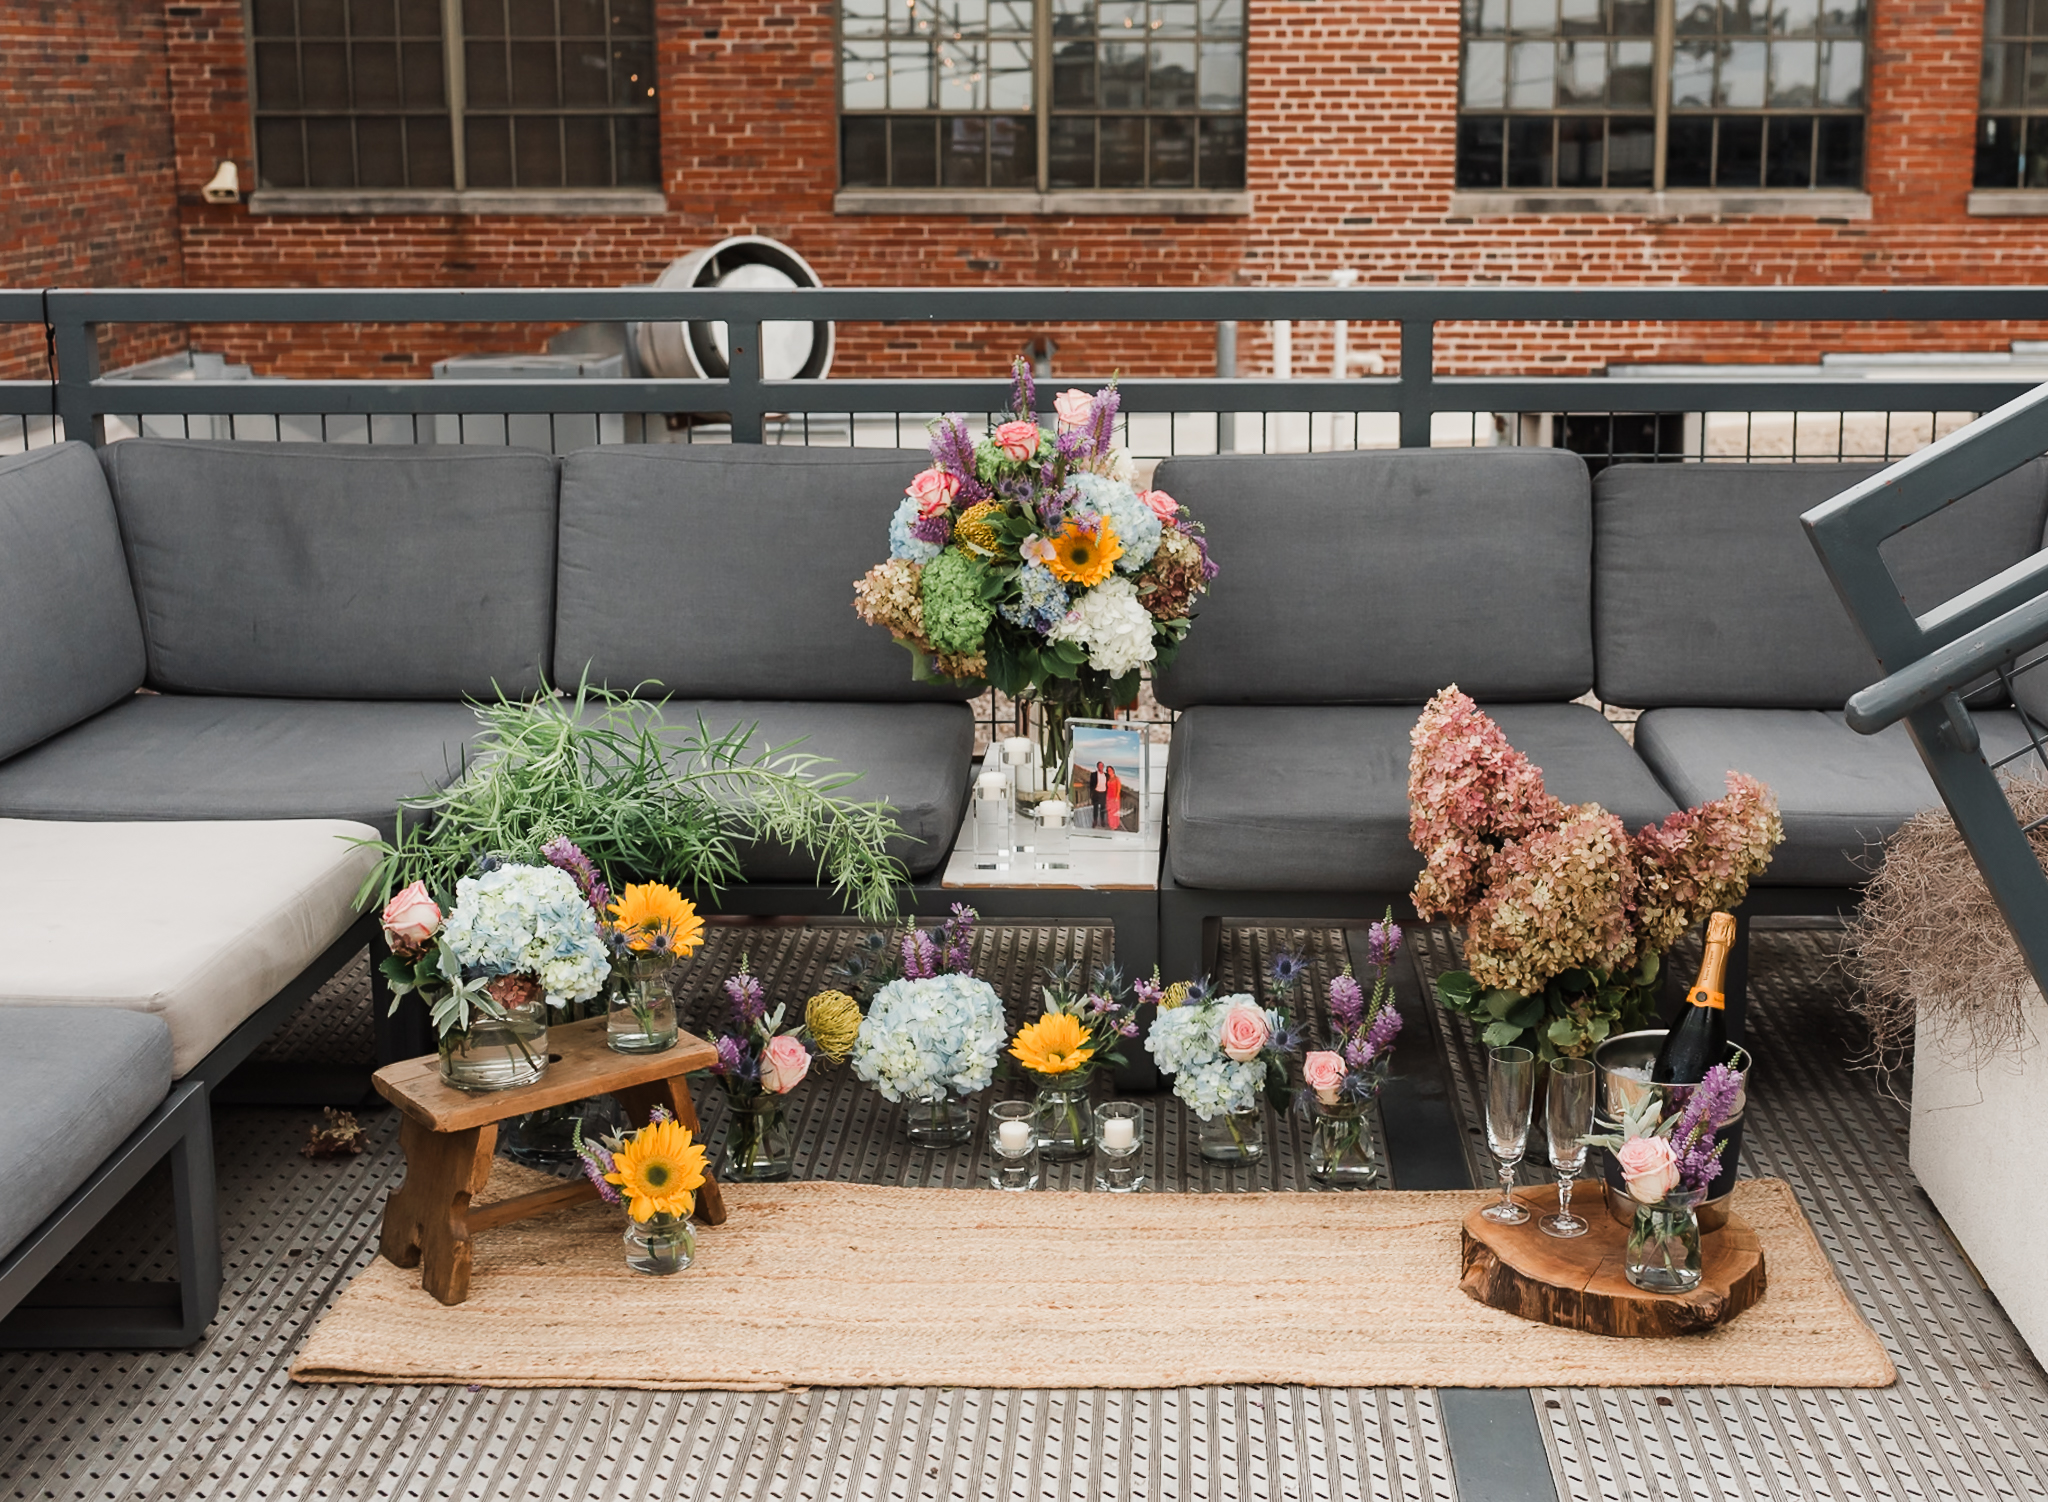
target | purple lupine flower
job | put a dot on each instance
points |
(596, 1164)
(1127, 1029)
(1347, 1002)
(1101, 424)
(1209, 569)
(1692, 1136)
(730, 1056)
(749, 1001)
(562, 853)
(1382, 941)
(1098, 1003)
(936, 529)
(1385, 1028)
(1023, 390)
(952, 447)
(959, 937)
(1148, 992)
(1357, 1053)
(920, 956)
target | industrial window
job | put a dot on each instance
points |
(1042, 94)
(1654, 94)
(539, 94)
(2012, 122)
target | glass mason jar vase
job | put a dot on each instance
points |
(941, 1120)
(498, 1052)
(642, 1014)
(546, 1139)
(1066, 1122)
(1340, 1154)
(757, 1147)
(1233, 1136)
(1664, 1244)
(660, 1246)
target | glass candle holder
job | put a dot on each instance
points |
(1050, 839)
(1020, 763)
(1013, 1144)
(1119, 1146)
(992, 813)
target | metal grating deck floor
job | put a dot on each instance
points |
(1968, 1419)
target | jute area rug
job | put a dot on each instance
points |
(843, 1285)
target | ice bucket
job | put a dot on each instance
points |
(1624, 1063)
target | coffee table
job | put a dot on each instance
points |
(449, 1136)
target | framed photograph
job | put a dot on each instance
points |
(1107, 767)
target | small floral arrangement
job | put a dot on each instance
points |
(652, 1172)
(517, 934)
(1079, 1029)
(934, 1029)
(1029, 561)
(1683, 1155)
(1566, 916)
(1221, 1050)
(1363, 1028)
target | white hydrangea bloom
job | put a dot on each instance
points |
(1112, 624)
(1187, 1042)
(929, 1037)
(529, 920)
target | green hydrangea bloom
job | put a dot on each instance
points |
(955, 615)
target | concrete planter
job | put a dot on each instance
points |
(1976, 1128)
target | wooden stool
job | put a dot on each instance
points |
(449, 1136)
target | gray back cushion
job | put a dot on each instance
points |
(72, 645)
(337, 571)
(1377, 578)
(1708, 593)
(728, 573)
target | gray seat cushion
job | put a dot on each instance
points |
(1377, 578)
(728, 573)
(1707, 592)
(1306, 798)
(74, 1082)
(336, 571)
(1840, 793)
(173, 756)
(916, 757)
(67, 614)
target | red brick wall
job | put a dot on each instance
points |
(86, 187)
(1352, 112)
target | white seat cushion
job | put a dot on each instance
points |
(197, 923)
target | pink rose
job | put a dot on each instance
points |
(1019, 440)
(1323, 1071)
(784, 1064)
(1073, 408)
(1244, 1032)
(933, 490)
(1164, 506)
(1649, 1167)
(411, 918)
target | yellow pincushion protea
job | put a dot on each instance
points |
(659, 1171)
(1055, 1044)
(973, 531)
(657, 919)
(833, 1020)
(1175, 995)
(1084, 557)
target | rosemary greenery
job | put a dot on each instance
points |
(644, 799)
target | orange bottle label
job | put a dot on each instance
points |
(1700, 996)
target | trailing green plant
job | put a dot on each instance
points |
(645, 800)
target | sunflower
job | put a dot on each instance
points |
(974, 532)
(1054, 1044)
(1084, 556)
(657, 919)
(659, 1170)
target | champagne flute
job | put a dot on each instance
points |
(1568, 1115)
(1510, 1092)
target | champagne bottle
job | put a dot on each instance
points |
(1699, 1039)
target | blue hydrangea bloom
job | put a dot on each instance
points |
(936, 1036)
(1137, 528)
(529, 920)
(901, 543)
(1187, 1042)
(1044, 602)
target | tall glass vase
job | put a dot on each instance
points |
(757, 1147)
(1066, 1123)
(498, 1052)
(642, 1014)
(1664, 1244)
(1233, 1136)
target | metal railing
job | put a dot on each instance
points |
(1412, 405)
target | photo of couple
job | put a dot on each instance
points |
(1106, 777)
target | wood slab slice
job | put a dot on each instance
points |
(1579, 1283)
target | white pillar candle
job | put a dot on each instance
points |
(1119, 1134)
(1015, 1137)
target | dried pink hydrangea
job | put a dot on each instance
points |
(1702, 859)
(1556, 900)
(1469, 793)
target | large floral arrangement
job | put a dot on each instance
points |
(516, 934)
(934, 1029)
(1029, 561)
(1566, 915)
(1221, 1051)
